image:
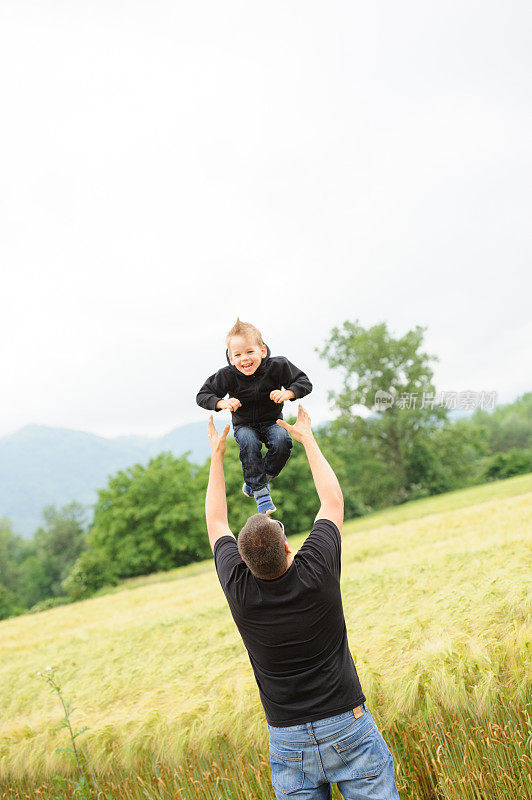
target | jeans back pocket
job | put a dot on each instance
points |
(363, 751)
(287, 770)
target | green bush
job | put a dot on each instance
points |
(91, 571)
(50, 602)
(504, 465)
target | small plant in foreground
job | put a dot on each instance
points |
(81, 785)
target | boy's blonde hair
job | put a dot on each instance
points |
(244, 329)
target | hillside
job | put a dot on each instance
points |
(41, 465)
(435, 597)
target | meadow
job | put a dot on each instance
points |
(437, 604)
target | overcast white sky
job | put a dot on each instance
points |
(169, 165)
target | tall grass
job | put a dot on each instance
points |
(438, 616)
(439, 756)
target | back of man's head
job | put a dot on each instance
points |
(261, 543)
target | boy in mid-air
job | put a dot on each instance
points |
(254, 381)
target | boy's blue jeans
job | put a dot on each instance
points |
(254, 467)
(307, 759)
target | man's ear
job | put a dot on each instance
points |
(287, 547)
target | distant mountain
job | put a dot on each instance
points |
(41, 465)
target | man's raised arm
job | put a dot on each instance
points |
(326, 482)
(215, 499)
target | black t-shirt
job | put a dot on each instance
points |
(294, 630)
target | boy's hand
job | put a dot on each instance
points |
(278, 396)
(301, 431)
(232, 403)
(218, 443)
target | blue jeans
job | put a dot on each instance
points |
(255, 468)
(306, 759)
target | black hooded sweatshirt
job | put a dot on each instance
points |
(253, 391)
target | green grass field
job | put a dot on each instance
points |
(437, 603)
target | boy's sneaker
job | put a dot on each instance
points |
(265, 504)
(247, 490)
(264, 501)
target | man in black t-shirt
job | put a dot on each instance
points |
(288, 610)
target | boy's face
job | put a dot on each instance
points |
(245, 354)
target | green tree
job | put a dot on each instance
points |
(9, 604)
(392, 445)
(11, 553)
(364, 478)
(509, 426)
(11, 548)
(34, 581)
(149, 518)
(456, 451)
(53, 551)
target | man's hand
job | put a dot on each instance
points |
(218, 443)
(278, 396)
(301, 431)
(232, 403)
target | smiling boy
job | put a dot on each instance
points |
(254, 387)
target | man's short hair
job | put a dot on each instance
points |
(245, 329)
(261, 545)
